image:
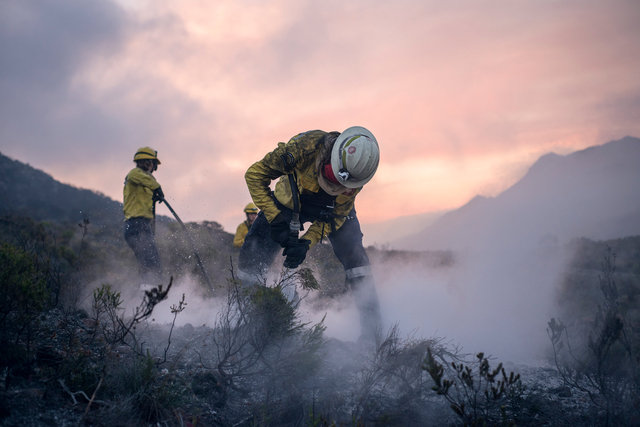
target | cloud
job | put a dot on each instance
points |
(43, 44)
(213, 87)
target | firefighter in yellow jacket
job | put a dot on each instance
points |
(320, 173)
(251, 212)
(141, 192)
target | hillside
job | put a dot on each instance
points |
(70, 328)
(26, 191)
(591, 193)
(239, 359)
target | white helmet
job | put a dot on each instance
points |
(354, 157)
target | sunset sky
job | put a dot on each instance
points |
(463, 95)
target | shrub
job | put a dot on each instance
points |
(23, 296)
(48, 250)
(478, 394)
(261, 349)
(604, 361)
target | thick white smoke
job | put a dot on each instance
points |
(497, 301)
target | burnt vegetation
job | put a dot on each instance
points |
(75, 352)
(72, 353)
(598, 356)
(81, 346)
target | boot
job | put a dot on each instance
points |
(366, 300)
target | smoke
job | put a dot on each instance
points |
(200, 310)
(340, 318)
(496, 300)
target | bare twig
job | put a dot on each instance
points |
(93, 396)
(175, 309)
(80, 393)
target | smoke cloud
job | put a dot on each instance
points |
(497, 301)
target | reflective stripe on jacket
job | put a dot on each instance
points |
(305, 149)
(241, 233)
(138, 194)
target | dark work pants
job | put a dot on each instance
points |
(259, 250)
(140, 238)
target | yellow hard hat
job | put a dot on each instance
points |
(251, 208)
(146, 153)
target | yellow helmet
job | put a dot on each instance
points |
(146, 153)
(251, 208)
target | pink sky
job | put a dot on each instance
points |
(463, 96)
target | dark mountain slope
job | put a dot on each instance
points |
(26, 191)
(593, 193)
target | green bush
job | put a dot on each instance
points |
(271, 313)
(47, 246)
(23, 296)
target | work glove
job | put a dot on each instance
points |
(280, 230)
(158, 195)
(296, 252)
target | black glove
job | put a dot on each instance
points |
(296, 253)
(280, 230)
(158, 195)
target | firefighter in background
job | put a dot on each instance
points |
(251, 212)
(320, 173)
(141, 192)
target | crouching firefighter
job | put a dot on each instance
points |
(320, 173)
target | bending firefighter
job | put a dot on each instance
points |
(141, 192)
(251, 212)
(320, 173)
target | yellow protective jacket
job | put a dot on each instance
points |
(138, 194)
(241, 232)
(309, 150)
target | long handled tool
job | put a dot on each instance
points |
(294, 225)
(193, 246)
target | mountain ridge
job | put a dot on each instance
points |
(31, 192)
(587, 193)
